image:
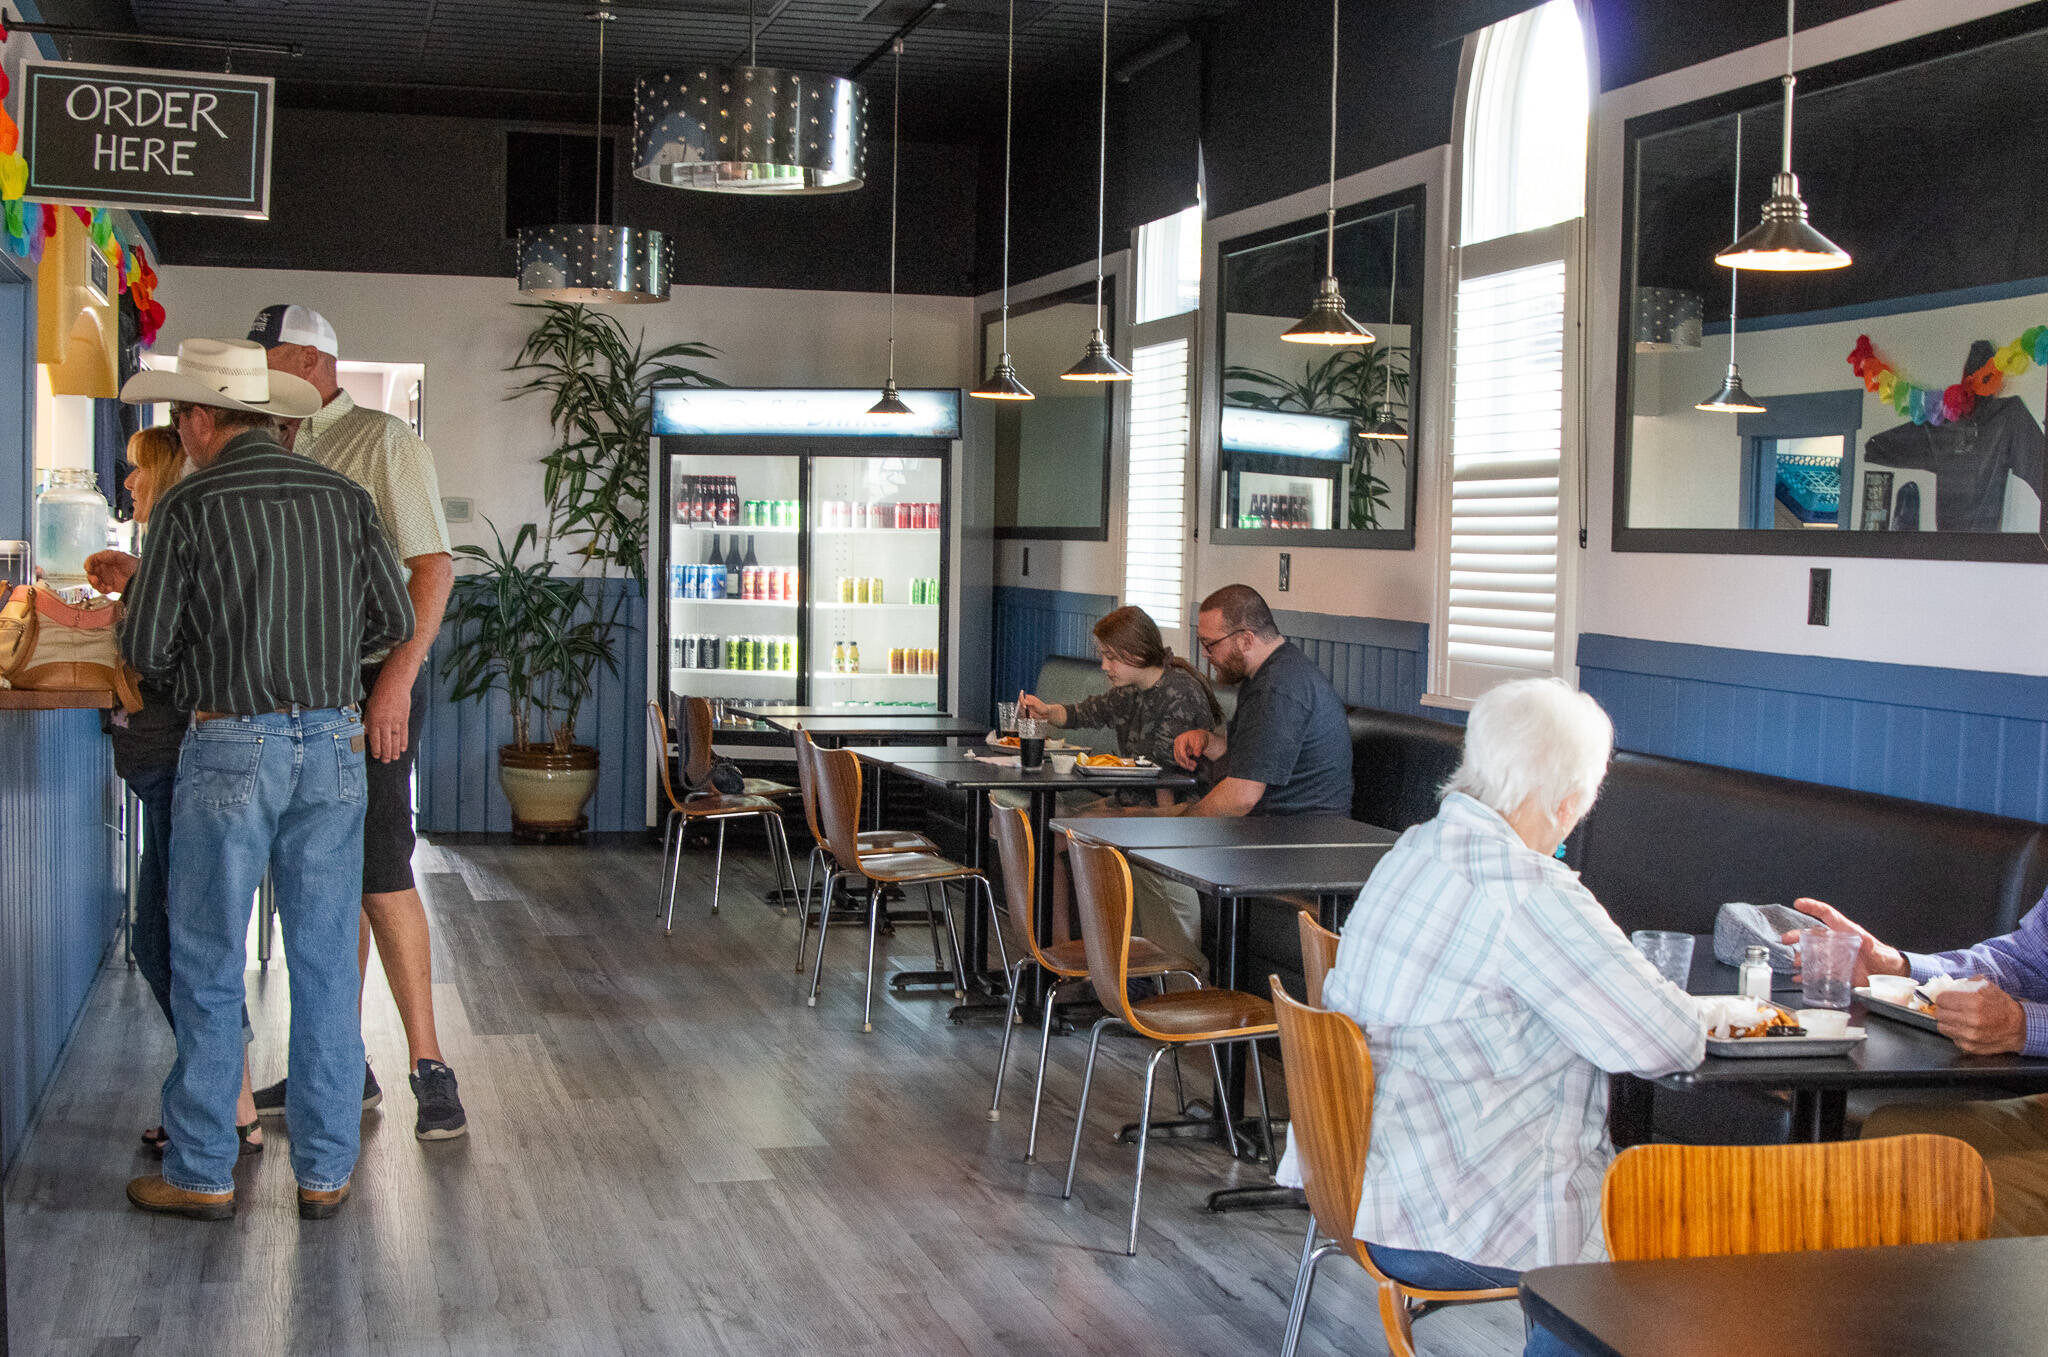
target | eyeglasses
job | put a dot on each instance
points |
(1209, 646)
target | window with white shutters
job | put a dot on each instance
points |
(1155, 503)
(1505, 518)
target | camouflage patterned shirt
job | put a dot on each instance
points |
(1146, 720)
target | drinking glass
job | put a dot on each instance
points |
(1006, 718)
(1031, 741)
(1827, 963)
(1670, 953)
(14, 563)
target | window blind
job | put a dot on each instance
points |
(1507, 438)
(1155, 502)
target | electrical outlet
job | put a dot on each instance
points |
(1027, 562)
(1819, 585)
(457, 508)
(1286, 569)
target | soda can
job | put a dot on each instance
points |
(707, 651)
(875, 589)
(846, 588)
(753, 652)
(788, 664)
(861, 588)
(771, 585)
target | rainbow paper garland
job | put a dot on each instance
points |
(1927, 405)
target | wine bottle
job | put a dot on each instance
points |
(752, 561)
(714, 556)
(731, 512)
(733, 568)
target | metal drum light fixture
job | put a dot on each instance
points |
(749, 129)
(1784, 242)
(1731, 399)
(891, 402)
(1097, 363)
(1327, 322)
(594, 263)
(1002, 383)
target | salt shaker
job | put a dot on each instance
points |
(1756, 974)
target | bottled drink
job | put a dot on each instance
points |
(713, 556)
(853, 657)
(733, 566)
(679, 506)
(839, 657)
(752, 561)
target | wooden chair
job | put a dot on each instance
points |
(836, 780)
(1699, 1201)
(871, 841)
(1329, 1101)
(1318, 955)
(1184, 1018)
(693, 807)
(695, 756)
(1062, 962)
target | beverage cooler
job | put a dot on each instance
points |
(800, 547)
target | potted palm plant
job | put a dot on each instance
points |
(531, 627)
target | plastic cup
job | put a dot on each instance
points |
(1827, 961)
(1006, 718)
(1670, 953)
(1063, 764)
(1031, 742)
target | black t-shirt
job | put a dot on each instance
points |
(1289, 733)
(149, 739)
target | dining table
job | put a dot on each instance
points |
(977, 773)
(1892, 1055)
(1979, 1298)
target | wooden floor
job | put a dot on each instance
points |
(669, 1153)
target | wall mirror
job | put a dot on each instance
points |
(1052, 452)
(1901, 397)
(1317, 444)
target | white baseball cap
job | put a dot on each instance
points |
(290, 323)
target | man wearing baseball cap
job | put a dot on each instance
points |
(384, 456)
(264, 582)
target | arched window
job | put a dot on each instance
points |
(1503, 599)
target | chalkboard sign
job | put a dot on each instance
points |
(163, 141)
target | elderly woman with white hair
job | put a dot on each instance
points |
(1496, 996)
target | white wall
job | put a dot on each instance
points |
(466, 330)
(1955, 614)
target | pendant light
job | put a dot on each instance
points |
(1326, 321)
(1098, 364)
(594, 263)
(1731, 399)
(891, 402)
(1389, 428)
(1783, 242)
(1002, 383)
(750, 129)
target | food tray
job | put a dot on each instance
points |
(1885, 1008)
(994, 740)
(1144, 768)
(1777, 1048)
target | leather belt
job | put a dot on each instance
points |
(202, 717)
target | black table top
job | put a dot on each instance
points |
(1206, 831)
(1893, 1055)
(953, 768)
(771, 711)
(1978, 1299)
(1273, 869)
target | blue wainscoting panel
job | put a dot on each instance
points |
(1954, 737)
(60, 898)
(1030, 624)
(458, 759)
(1371, 661)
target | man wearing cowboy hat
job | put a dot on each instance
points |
(264, 581)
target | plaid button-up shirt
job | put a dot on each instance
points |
(1495, 993)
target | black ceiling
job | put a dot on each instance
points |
(538, 58)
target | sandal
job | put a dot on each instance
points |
(155, 1141)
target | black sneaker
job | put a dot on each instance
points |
(441, 1116)
(270, 1101)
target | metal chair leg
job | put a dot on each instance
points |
(803, 912)
(718, 867)
(1312, 1254)
(1081, 1113)
(995, 1106)
(668, 834)
(786, 868)
(1044, 1047)
(1144, 1134)
(1223, 1102)
(867, 1008)
(675, 878)
(995, 926)
(1265, 1112)
(824, 917)
(931, 922)
(953, 935)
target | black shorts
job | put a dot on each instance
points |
(387, 810)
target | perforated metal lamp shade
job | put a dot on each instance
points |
(749, 129)
(1003, 384)
(604, 264)
(1731, 399)
(1784, 241)
(1097, 364)
(1327, 322)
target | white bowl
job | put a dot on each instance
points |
(1824, 1022)
(1062, 764)
(1893, 989)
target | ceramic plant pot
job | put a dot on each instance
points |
(548, 790)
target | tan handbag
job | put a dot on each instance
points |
(48, 644)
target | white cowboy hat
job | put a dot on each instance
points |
(228, 374)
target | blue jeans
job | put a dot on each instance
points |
(150, 938)
(283, 791)
(1441, 1272)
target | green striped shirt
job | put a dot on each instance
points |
(265, 580)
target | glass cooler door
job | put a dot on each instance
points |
(734, 588)
(877, 588)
